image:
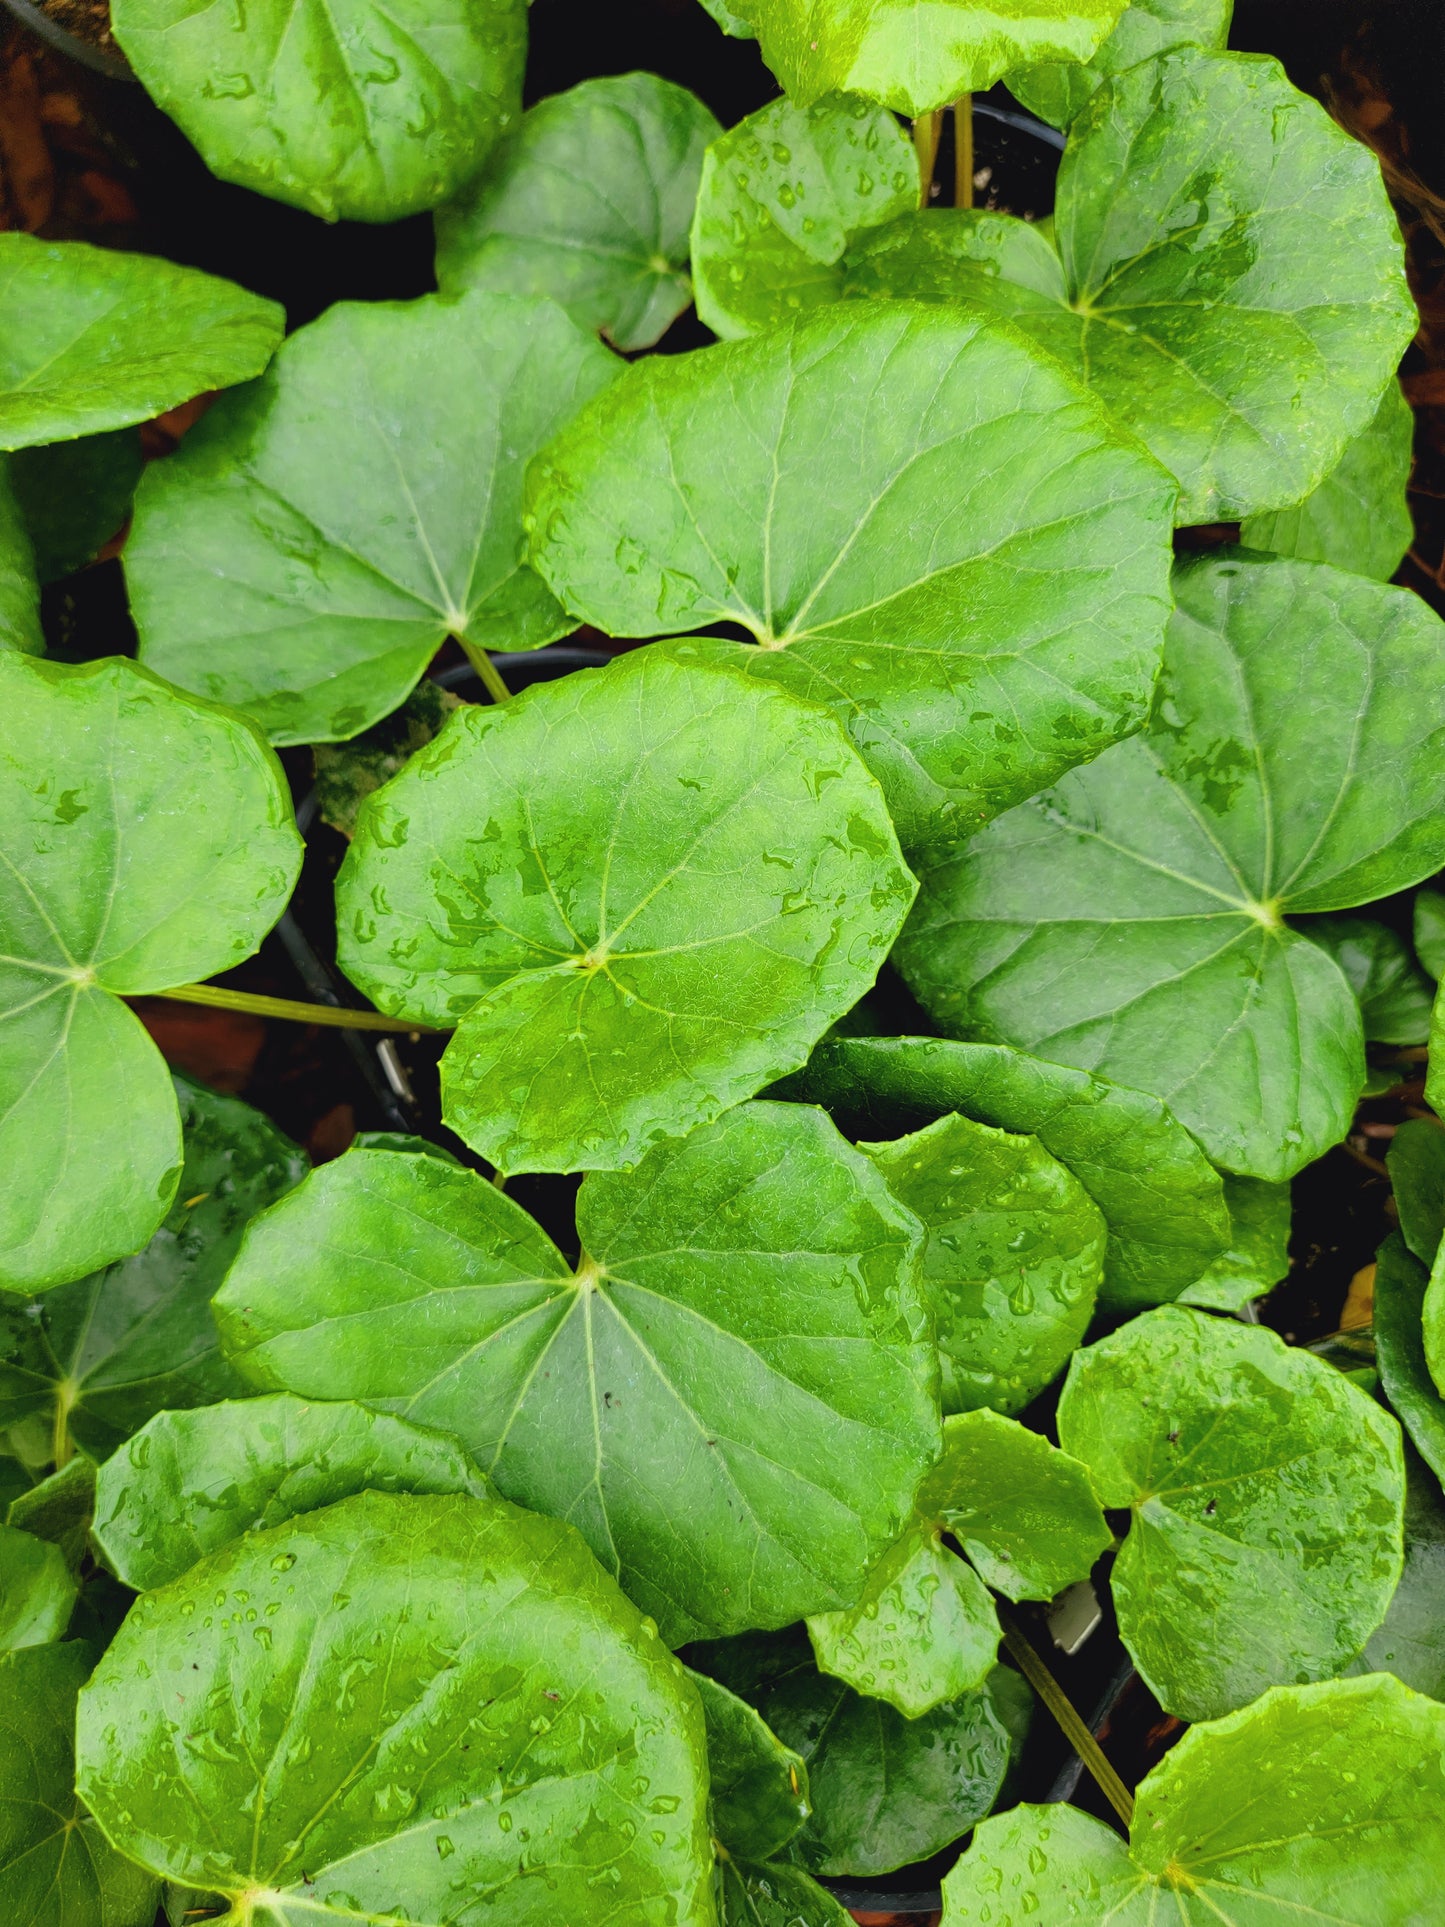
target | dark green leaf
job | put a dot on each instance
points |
(376, 113)
(684, 879)
(408, 1704)
(1410, 1641)
(91, 338)
(589, 201)
(749, 1894)
(1430, 930)
(1400, 1283)
(37, 1597)
(731, 1400)
(1394, 994)
(1257, 1256)
(60, 1508)
(360, 504)
(923, 521)
(1132, 920)
(347, 773)
(19, 590)
(1416, 1163)
(1267, 1495)
(758, 1786)
(1057, 91)
(74, 496)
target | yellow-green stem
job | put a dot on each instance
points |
(963, 152)
(62, 1447)
(487, 670)
(925, 142)
(336, 1015)
(1063, 1710)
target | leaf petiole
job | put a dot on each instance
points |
(294, 1011)
(487, 670)
(1062, 1707)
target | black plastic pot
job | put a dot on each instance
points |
(114, 66)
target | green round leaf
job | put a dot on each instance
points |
(1410, 1640)
(190, 1482)
(1161, 1200)
(1416, 1162)
(1400, 1284)
(589, 201)
(1012, 1264)
(1267, 1495)
(74, 496)
(1358, 517)
(19, 589)
(91, 338)
(1057, 91)
(915, 55)
(1318, 1802)
(758, 1786)
(684, 878)
(731, 1399)
(924, 522)
(358, 505)
(57, 1869)
(394, 1703)
(1394, 994)
(146, 840)
(378, 113)
(1131, 920)
(138, 1337)
(37, 1597)
(781, 195)
(1257, 1256)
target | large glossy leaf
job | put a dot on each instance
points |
(91, 338)
(886, 1790)
(399, 1707)
(57, 1869)
(1131, 921)
(146, 840)
(1266, 1493)
(1161, 1200)
(782, 194)
(37, 1593)
(924, 523)
(914, 55)
(1416, 1162)
(138, 1337)
(681, 879)
(1400, 1283)
(731, 1399)
(1057, 91)
(74, 496)
(365, 116)
(1244, 332)
(19, 589)
(1013, 1260)
(1358, 517)
(589, 201)
(316, 538)
(1320, 1802)
(1257, 1255)
(1410, 1641)
(1394, 994)
(190, 1482)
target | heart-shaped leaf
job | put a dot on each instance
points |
(359, 505)
(57, 1869)
(1132, 919)
(482, 1710)
(146, 840)
(368, 116)
(19, 589)
(1400, 1285)
(1394, 994)
(37, 1595)
(127, 1342)
(589, 201)
(1257, 1255)
(1058, 91)
(190, 1482)
(782, 193)
(1013, 1259)
(1319, 1800)
(925, 524)
(91, 338)
(731, 1399)
(1161, 1200)
(1267, 1494)
(656, 883)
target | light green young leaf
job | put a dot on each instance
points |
(1257, 1256)
(915, 55)
(57, 1869)
(380, 113)
(1013, 1260)
(1245, 337)
(1430, 930)
(190, 1482)
(886, 1790)
(59, 1508)
(146, 840)
(1131, 921)
(687, 877)
(74, 496)
(1058, 91)
(1394, 994)
(1415, 1159)
(925, 523)
(1267, 1494)
(19, 588)
(91, 338)
(358, 506)
(782, 194)
(1400, 1284)
(1318, 1801)
(588, 200)
(732, 1399)
(1358, 518)
(758, 1786)
(1410, 1640)
(771, 1894)
(1162, 1201)
(473, 1689)
(37, 1596)
(99, 1357)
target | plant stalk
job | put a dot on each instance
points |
(963, 151)
(926, 130)
(487, 671)
(338, 1016)
(1064, 1711)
